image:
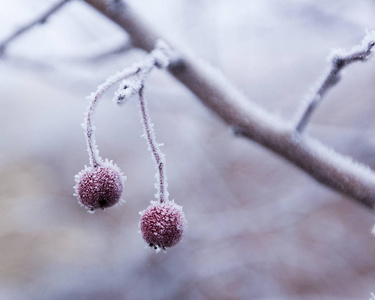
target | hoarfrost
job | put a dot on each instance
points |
(340, 162)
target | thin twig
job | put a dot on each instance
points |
(333, 77)
(38, 21)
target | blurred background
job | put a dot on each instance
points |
(258, 227)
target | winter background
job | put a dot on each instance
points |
(258, 227)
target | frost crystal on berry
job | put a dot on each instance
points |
(99, 187)
(162, 224)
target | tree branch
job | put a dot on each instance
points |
(325, 165)
(328, 167)
(38, 21)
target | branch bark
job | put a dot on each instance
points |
(328, 167)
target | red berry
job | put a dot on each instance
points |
(162, 225)
(99, 187)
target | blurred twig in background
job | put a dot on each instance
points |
(38, 21)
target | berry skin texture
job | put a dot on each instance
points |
(162, 224)
(99, 187)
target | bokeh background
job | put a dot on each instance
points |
(258, 227)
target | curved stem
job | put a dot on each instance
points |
(95, 159)
(155, 149)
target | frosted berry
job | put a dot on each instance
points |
(99, 187)
(162, 225)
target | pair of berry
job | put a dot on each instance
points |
(162, 224)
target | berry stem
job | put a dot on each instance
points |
(95, 159)
(155, 149)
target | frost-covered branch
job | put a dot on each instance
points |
(38, 21)
(340, 60)
(330, 168)
(242, 115)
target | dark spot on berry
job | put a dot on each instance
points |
(102, 201)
